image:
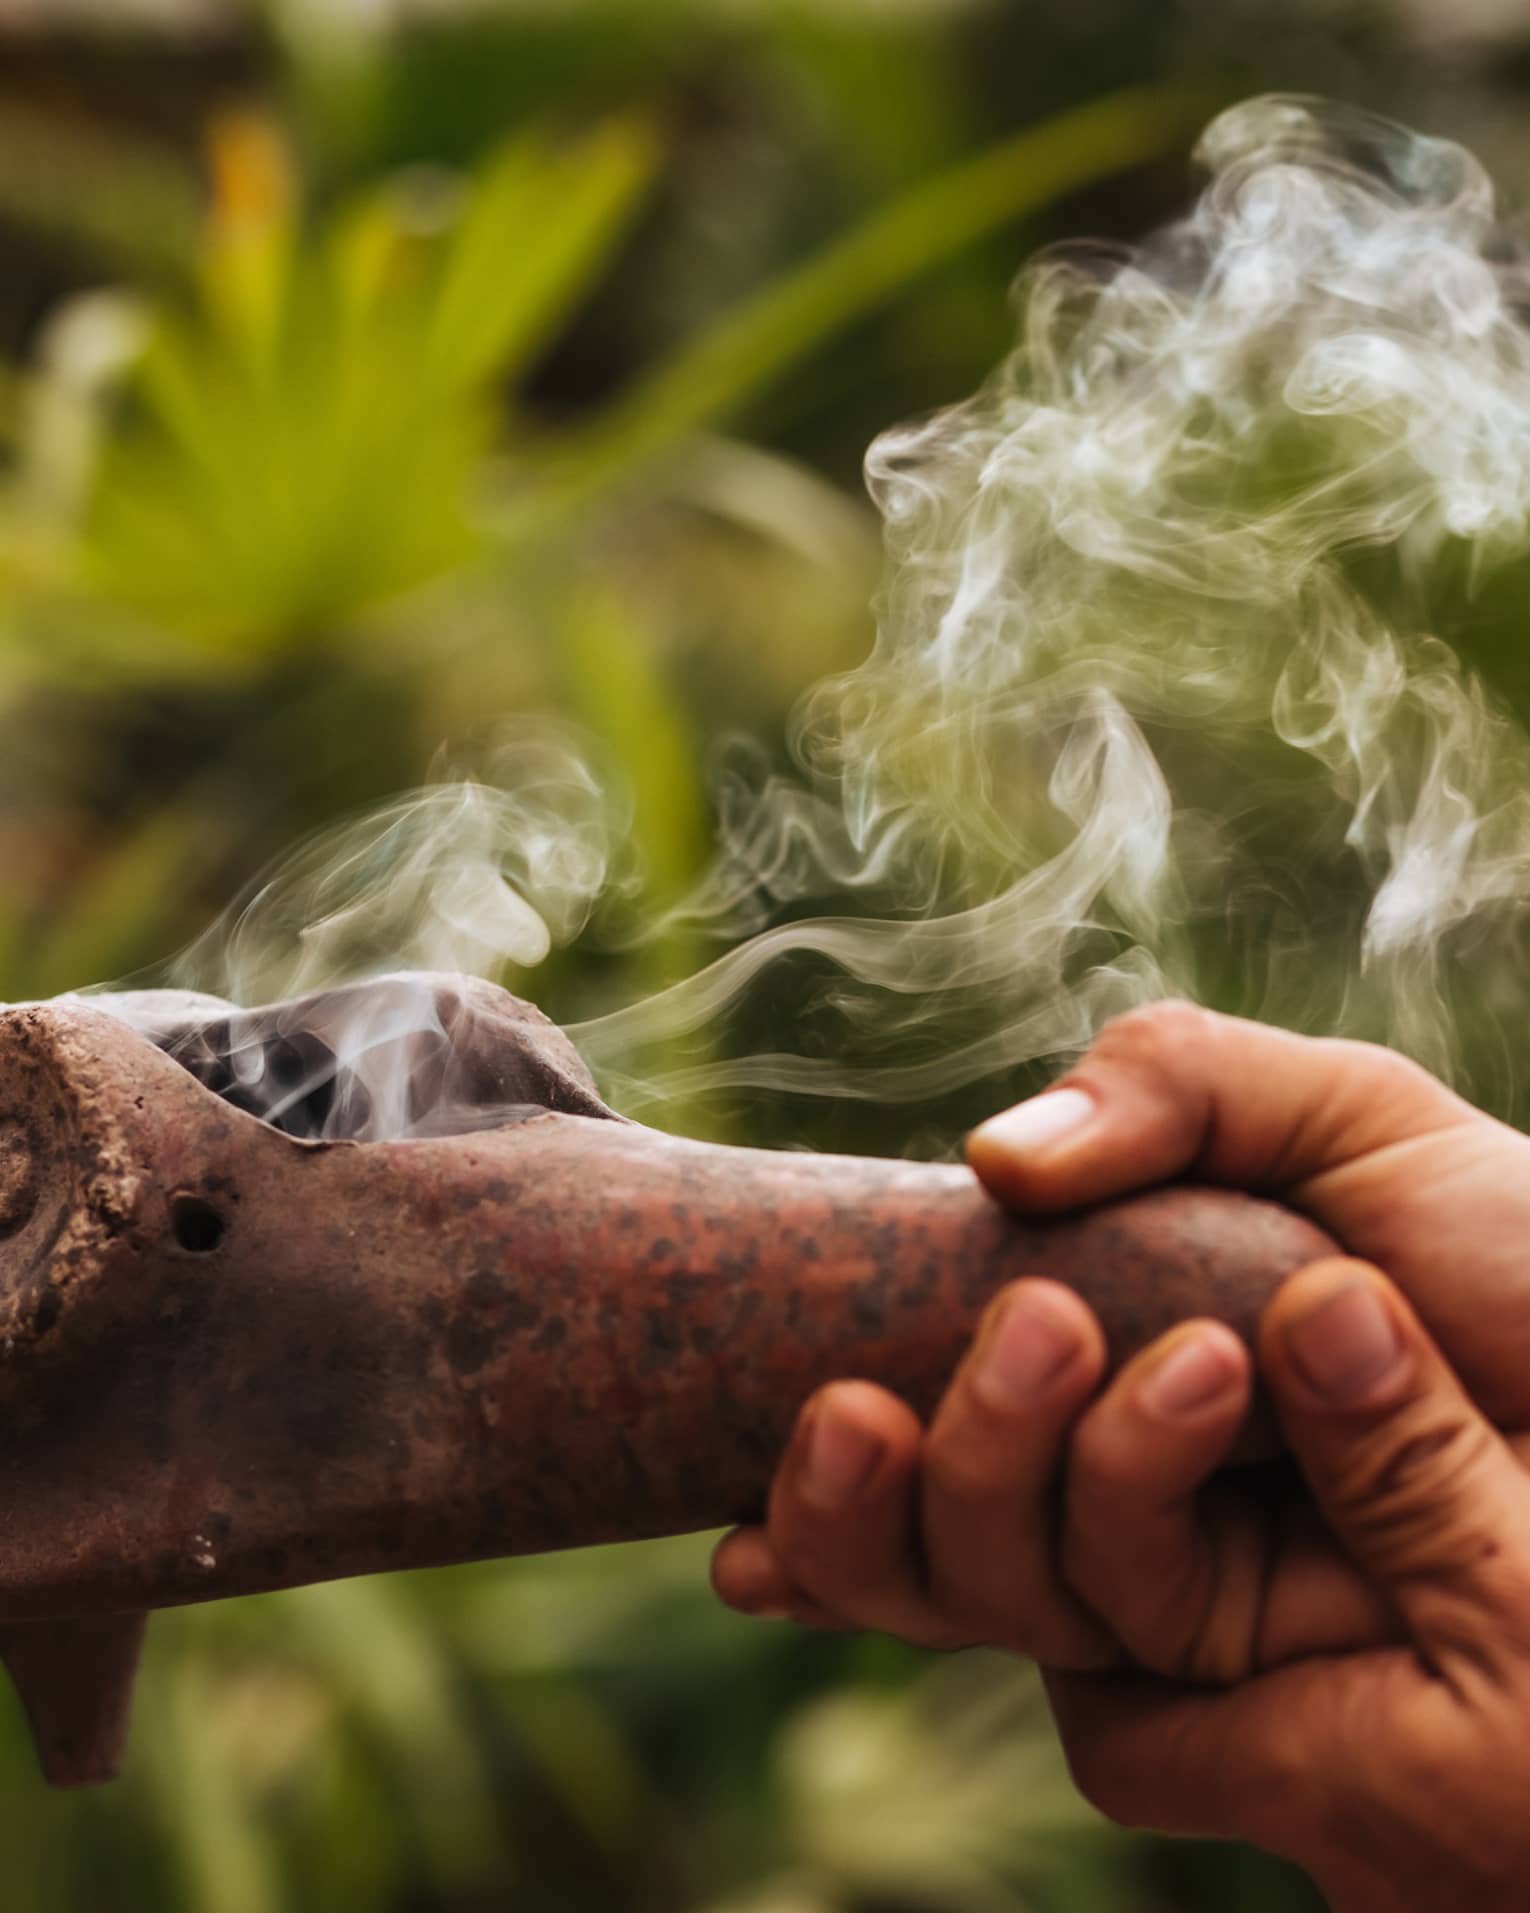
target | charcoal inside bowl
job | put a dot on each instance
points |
(290, 1080)
(406, 1055)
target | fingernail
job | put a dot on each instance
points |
(1346, 1345)
(1044, 1120)
(1196, 1372)
(1026, 1348)
(841, 1457)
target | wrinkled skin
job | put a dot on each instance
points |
(1335, 1665)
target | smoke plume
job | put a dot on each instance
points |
(1159, 700)
(1155, 705)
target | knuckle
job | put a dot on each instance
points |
(973, 1614)
(982, 1443)
(816, 1555)
(1153, 1614)
(969, 1464)
(1429, 1458)
(1096, 1580)
(822, 1580)
(1027, 1622)
(1414, 1490)
(1091, 1567)
(1433, 1459)
(819, 1566)
(1105, 1462)
(1374, 1065)
(1155, 1033)
(1010, 1603)
(1104, 1505)
(970, 1483)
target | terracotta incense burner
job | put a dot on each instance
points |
(234, 1357)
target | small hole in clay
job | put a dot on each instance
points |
(197, 1224)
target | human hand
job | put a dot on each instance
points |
(1390, 1162)
(947, 1536)
(1002, 1523)
(1395, 1775)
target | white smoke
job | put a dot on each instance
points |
(464, 875)
(1128, 684)
(1157, 701)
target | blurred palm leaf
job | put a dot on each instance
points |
(390, 1672)
(305, 432)
(715, 374)
(540, 222)
(225, 1856)
(304, 442)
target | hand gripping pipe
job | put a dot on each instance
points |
(233, 1359)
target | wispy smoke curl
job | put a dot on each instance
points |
(1156, 702)
(1122, 584)
(467, 875)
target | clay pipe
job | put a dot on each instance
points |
(234, 1360)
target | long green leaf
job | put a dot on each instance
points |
(540, 222)
(775, 328)
(226, 1853)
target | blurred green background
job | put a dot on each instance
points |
(370, 374)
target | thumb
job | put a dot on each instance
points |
(1417, 1486)
(1165, 1092)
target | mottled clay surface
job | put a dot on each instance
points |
(231, 1360)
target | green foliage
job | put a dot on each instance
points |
(303, 434)
(325, 478)
(903, 240)
(113, 196)
(233, 489)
